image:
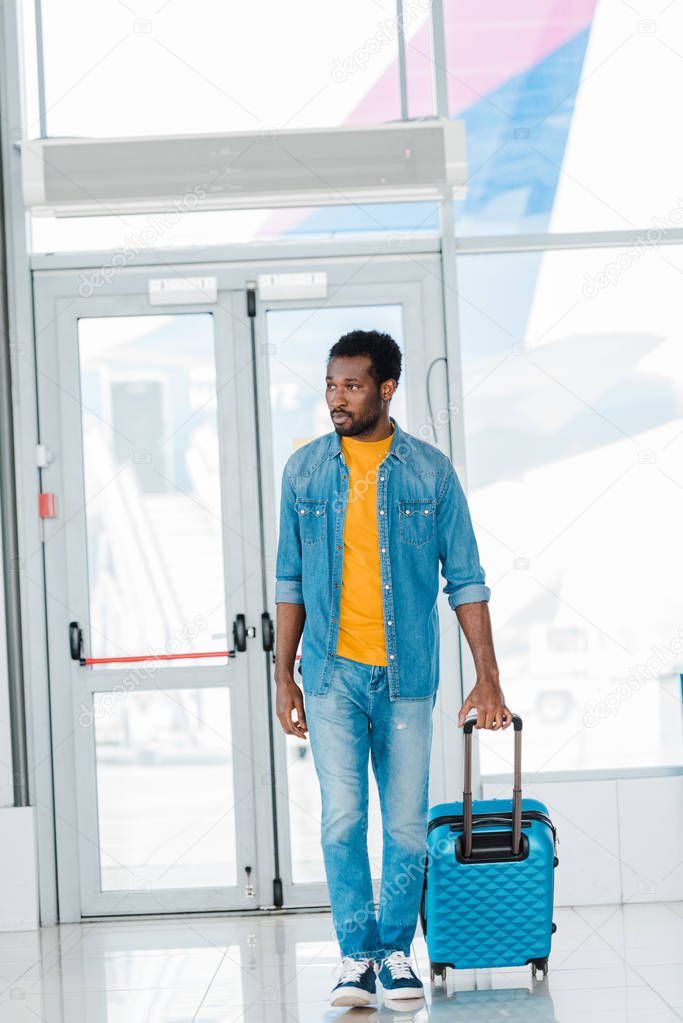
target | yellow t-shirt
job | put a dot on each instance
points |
(361, 620)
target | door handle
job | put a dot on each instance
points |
(267, 631)
(241, 631)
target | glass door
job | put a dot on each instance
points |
(147, 556)
(402, 298)
(165, 429)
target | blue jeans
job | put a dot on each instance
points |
(353, 719)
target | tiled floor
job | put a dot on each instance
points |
(609, 964)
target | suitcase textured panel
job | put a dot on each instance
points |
(493, 909)
(488, 914)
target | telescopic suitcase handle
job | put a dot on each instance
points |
(516, 786)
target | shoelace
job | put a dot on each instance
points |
(398, 965)
(352, 969)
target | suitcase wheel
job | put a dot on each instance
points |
(539, 964)
(437, 970)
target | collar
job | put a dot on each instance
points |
(398, 447)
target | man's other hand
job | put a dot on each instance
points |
(289, 698)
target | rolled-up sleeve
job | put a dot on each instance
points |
(458, 551)
(288, 589)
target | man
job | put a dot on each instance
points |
(367, 513)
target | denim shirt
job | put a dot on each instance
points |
(422, 520)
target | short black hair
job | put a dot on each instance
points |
(383, 352)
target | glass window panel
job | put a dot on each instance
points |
(165, 788)
(573, 403)
(188, 67)
(170, 71)
(539, 88)
(152, 485)
(299, 341)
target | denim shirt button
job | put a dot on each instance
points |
(382, 512)
(384, 550)
(390, 622)
(386, 586)
(391, 656)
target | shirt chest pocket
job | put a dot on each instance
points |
(416, 521)
(312, 520)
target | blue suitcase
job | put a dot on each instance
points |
(487, 896)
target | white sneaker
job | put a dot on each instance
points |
(356, 985)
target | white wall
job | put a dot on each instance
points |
(19, 910)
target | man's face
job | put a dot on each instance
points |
(352, 391)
